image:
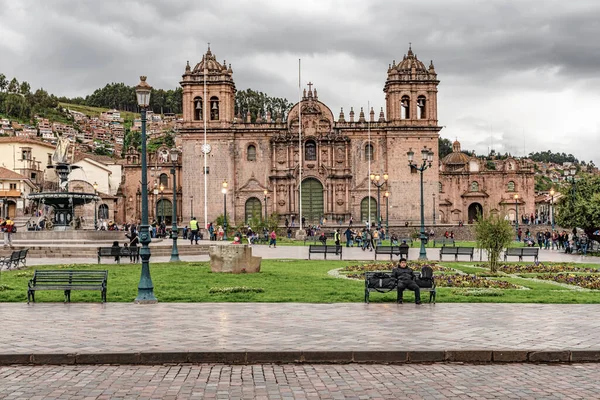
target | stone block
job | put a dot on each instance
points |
(108, 358)
(375, 356)
(15, 359)
(234, 259)
(509, 356)
(469, 356)
(275, 357)
(225, 357)
(426, 356)
(585, 356)
(327, 356)
(549, 356)
(53, 359)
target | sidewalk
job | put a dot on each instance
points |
(289, 332)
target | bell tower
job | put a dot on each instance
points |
(411, 92)
(208, 93)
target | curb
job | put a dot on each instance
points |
(304, 357)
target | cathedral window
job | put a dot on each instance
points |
(369, 152)
(310, 151)
(511, 186)
(214, 108)
(163, 180)
(251, 153)
(198, 108)
(405, 107)
(474, 186)
(421, 110)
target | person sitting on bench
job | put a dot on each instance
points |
(403, 248)
(405, 277)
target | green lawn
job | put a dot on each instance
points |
(282, 281)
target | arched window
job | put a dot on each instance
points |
(421, 107)
(440, 187)
(474, 186)
(163, 180)
(251, 153)
(310, 150)
(405, 107)
(253, 210)
(369, 152)
(365, 207)
(511, 186)
(214, 108)
(198, 108)
(102, 211)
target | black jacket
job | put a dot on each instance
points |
(403, 274)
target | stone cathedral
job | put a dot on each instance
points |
(336, 152)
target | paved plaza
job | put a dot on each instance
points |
(207, 381)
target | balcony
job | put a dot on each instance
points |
(10, 193)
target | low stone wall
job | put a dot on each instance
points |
(69, 235)
(233, 258)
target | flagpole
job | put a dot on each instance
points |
(370, 157)
(300, 143)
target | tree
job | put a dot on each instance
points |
(444, 147)
(25, 88)
(493, 233)
(13, 86)
(3, 83)
(259, 103)
(579, 205)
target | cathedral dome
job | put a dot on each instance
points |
(409, 62)
(212, 65)
(457, 157)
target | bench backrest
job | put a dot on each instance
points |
(530, 251)
(449, 250)
(23, 254)
(51, 277)
(14, 256)
(464, 250)
(513, 251)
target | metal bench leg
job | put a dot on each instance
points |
(366, 296)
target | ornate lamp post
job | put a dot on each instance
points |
(375, 180)
(433, 195)
(387, 214)
(224, 191)
(265, 193)
(145, 287)
(517, 215)
(427, 160)
(174, 251)
(162, 203)
(95, 185)
(552, 207)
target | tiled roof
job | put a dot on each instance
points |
(24, 140)
(7, 174)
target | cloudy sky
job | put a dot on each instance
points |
(520, 76)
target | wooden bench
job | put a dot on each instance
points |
(522, 252)
(118, 252)
(67, 280)
(457, 251)
(391, 250)
(324, 249)
(383, 282)
(444, 242)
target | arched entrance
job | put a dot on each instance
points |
(253, 210)
(364, 210)
(164, 211)
(102, 211)
(475, 209)
(312, 200)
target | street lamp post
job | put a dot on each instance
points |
(517, 215)
(387, 214)
(191, 207)
(552, 207)
(427, 161)
(375, 180)
(145, 286)
(174, 233)
(162, 204)
(95, 185)
(433, 195)
(265, 192)
(224, 191)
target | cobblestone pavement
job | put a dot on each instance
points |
(182, 327)
(436, 381)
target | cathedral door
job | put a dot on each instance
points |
(364, 210)
(312, 200)
(475, 209)
(253, 210)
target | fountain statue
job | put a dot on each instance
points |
(63, 201)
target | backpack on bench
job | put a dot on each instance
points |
(382, 282)
(425, 279)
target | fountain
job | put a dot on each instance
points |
(63, 201)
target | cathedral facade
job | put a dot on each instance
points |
(331, 162)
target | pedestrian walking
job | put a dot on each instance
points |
(273, 240)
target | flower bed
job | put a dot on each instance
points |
(358, 271)
(584, 281)
(471, 281)
(554, 268)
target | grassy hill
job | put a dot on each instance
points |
(96, 111)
